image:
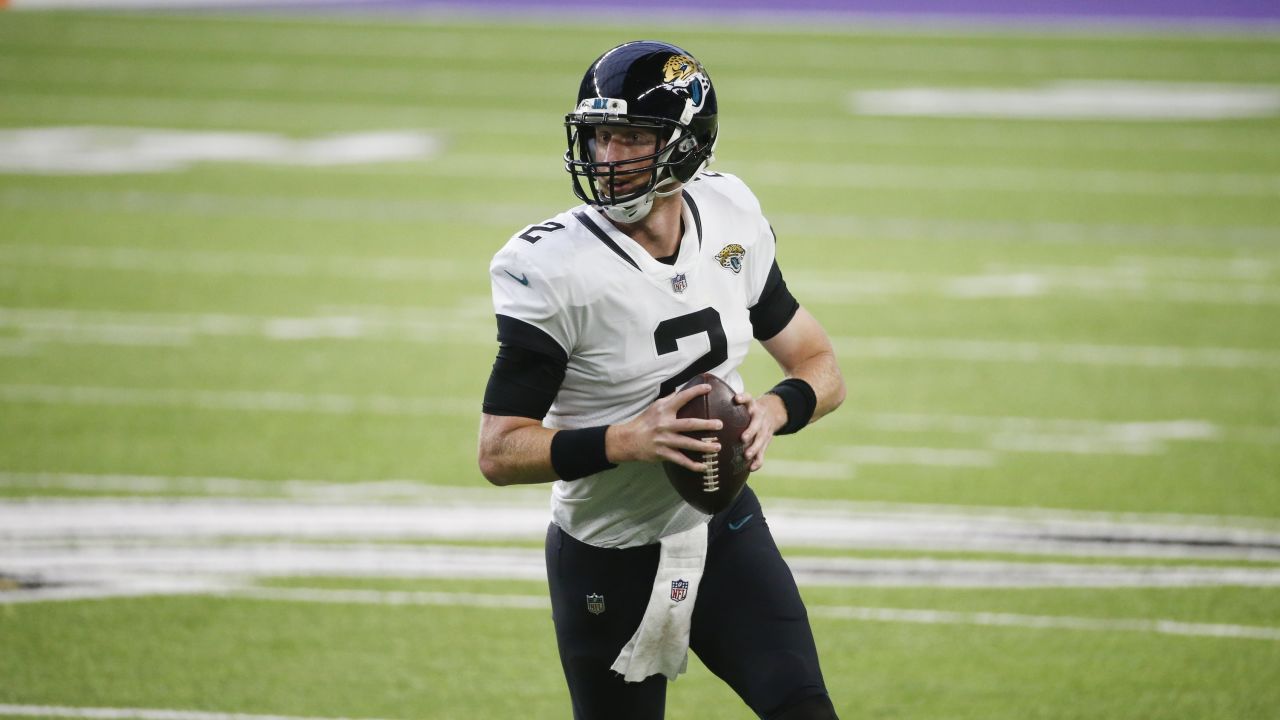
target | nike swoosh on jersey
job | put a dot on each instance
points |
(522, 278)
(735, 526)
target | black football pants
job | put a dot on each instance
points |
(750, 627)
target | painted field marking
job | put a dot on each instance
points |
(1014, 351)
(868, 130)
(943, 617)
(884, 176)
(253, 401)
(923, 456)
(1077, 100)
(372, 489)
(98, 150)
(465, 326)
(1012, 179)
(1037, 435)
(467, 322)
(108, 713)
(395, 597)
(227, 205)
(224, 262)
(540, 602)
(836, 612)
(1242, 282)
(481, 496)
(143, 534)
(1129, 275)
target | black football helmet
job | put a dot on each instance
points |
(653, 86)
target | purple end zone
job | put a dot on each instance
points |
(1191, 12)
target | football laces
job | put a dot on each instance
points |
(710, 476)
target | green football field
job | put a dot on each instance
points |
(245, 327)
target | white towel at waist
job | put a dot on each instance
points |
(661, 643)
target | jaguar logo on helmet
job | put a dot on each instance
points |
(683, 75)
(731, 257)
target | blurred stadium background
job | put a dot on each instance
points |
(245, 327)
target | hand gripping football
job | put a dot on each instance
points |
(728, 469)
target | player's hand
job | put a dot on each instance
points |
(767, 415)
(656, 434)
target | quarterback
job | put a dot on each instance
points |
(665, 271)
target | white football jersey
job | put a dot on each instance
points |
(634, 328)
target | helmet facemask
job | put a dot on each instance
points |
(676, 159)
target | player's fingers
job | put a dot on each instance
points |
(683, 425)
(760, 437)
(679, 399)
(755, 452)
(742, 398)
(753, 426)
(698, 445)
(681, 459)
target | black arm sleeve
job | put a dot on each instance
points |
(527, 372)
(776, 307)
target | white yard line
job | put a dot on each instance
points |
(230, 205)
(837, 612)
(372, 489)
(974, 178)
(232, 400)
(479, 496)
(170, 261)
(943, 617)
(1231, 281)
(1015, 351)
(540, 602)
(113, 567)
(1108, 100)
(923, 456)
(395, 597)
(100, 527)
(111, 713)
(101, 327)
(1007, 433)
(462, 325)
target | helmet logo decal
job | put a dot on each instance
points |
(679, 67)
(731, 257)
(683, 73)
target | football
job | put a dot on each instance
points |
(728, 469)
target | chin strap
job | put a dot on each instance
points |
(631, 212)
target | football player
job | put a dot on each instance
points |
(664, 272)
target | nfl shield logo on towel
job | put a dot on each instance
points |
(679, 590)
(595, 604)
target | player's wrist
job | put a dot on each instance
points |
(799, 403)
(581, 452)
(615, 443)
(777, 411)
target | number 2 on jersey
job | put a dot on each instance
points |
(669, 332)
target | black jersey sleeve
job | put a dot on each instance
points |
(776, 307)
(527, 371)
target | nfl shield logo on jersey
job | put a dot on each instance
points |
(679, 590)
(679, 283)
(595, 604)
